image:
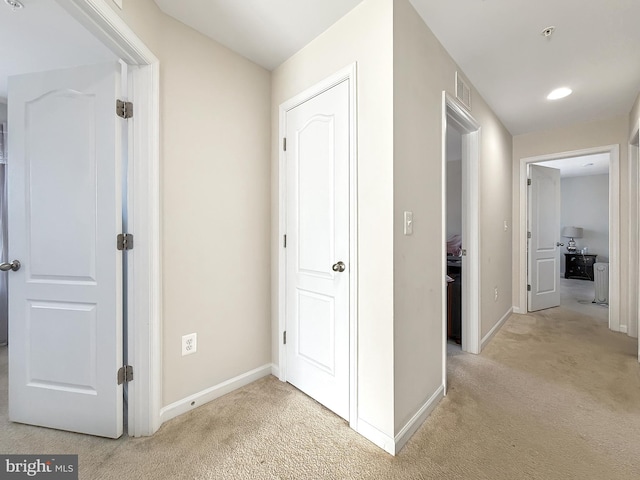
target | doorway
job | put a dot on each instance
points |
(579, 161)
(143, 336)
(459, 125)
(318, 255)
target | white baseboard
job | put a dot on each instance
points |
(418, 419)
(275, 370)
(198, 399)
(487, 338)
(518, 310)
(375, 436)
(623, 329)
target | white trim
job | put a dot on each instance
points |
(205, 396)
(623, 329)
(275, 370)
(349, 74)
(633, 246)
(418, 419)
(375, 436)
(487, 338)
(145, 393)
(517, 310)
(614, 225)
(471, 280)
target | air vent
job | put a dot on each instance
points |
(463, 92)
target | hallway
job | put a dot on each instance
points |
(555, 395)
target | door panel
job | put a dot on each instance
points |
(317, 297)
(65, 303)
(544, 225)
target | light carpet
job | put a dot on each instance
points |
(555, 395)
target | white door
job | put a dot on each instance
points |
(317, 254)
(543, 246)
(65, 302)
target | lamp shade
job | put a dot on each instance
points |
(572, 232)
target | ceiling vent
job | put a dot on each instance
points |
(463, 92)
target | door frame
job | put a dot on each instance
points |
(634, 247)
(346, 74)
(145, 281)
(454, 112)
(614, 226)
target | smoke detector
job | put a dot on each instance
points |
(14, 4)
(548, 31)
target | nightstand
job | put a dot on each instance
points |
(577, 265)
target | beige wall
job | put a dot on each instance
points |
(422, 70)
(215, 123)
(363, 36)
(634, 117)
(575, 137)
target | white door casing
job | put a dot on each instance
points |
(544, 225)
(65, 303)
(317, 226)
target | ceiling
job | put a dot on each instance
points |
(42, 36)
(596, 164)
(497, 43)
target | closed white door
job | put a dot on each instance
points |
(543, 246)
(65, 302)
(317, 253)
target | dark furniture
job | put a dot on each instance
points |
(454, 291)
(577, 265)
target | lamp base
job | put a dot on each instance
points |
(571, 246)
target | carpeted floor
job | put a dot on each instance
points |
(555, 395)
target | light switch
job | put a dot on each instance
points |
(408, 223)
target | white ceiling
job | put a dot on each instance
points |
(597, 164)
(42, 36)
(266, 32)
(497, 43)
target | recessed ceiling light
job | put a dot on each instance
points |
(559, 93)
(14, 4)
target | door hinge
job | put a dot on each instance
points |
(285, 241)
(125, 374)
(528, 288)
(124, 109)
(528, 181)
(284, 337)
(284, 144)
(528, 234)
(125, 241)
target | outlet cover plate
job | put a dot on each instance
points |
(189, 344)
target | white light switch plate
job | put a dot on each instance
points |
(408, 223)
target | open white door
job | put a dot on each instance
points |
(317, 254)
(65, 210)
(543, 247)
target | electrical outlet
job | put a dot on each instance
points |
(189, 344)
(408, 223)
(495, 294)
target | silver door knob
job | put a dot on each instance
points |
(339, 267)
(559, 244)
(15, 266)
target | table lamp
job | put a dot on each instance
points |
(571, 233)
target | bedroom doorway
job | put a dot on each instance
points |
(463, 133)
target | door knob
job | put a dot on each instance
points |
(15, 266)
(339, 267)
(559, 244)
